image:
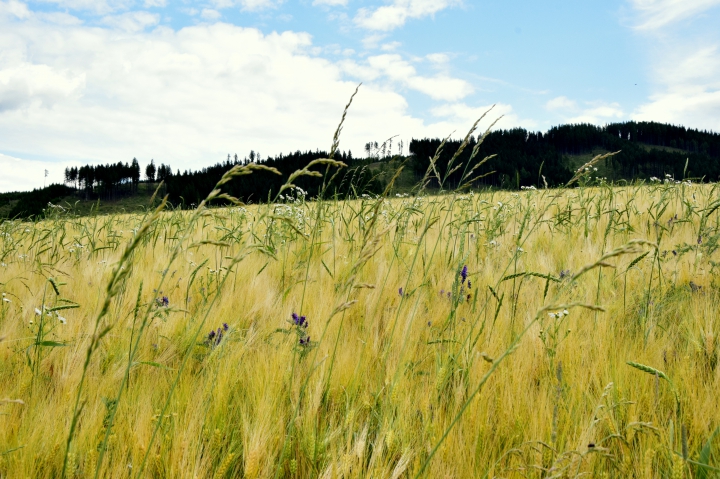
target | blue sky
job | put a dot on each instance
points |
(186, 82)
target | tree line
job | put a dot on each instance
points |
(518, 157)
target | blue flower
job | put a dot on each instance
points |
(400, 291)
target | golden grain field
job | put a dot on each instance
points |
(545, 333)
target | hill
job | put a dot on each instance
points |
(514, 158)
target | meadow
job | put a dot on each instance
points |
(541, 333)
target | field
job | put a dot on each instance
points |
(544, 333)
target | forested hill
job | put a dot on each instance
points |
(646, 149)
(523, 158)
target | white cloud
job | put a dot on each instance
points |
(399, 71)
(25, 175)
(390, 17)
(190, 97)
(684, 63)
(330, 3)
(655, 14)
(687, 89)
(598, 114)
(390, 46)
(155, 3)
(561, 103)
(467, 115)
(594, 112)
(14, 8)
(438, 58)
(101, 7)
(131, 22)
(26, 84)
(210, 14)
(248, 5)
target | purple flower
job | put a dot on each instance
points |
(469, 284)
(464, 274)
(305, 341)
(400, 291)
(225, 326)
(164, 301)
(299, 320)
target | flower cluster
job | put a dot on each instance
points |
(38, 312)
(299, 320)
(214, 337)
(301, 324)
(163, 302)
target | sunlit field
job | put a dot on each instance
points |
(545, 333)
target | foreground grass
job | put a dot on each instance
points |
(402, 368)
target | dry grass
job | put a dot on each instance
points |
(440, 379)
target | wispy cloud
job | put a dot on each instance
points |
(687, 89)
(330, 3)
(247, 5)
(390, 17)
(101, 7)
(655, 14)
(131, 22)
(396, 70)
(594, 112)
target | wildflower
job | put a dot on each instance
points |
(164, 301)
(464, 274)
(469, 284)
(38, 312)
(62, 320)
(566, 312)
(5, 299)
(299, 320)
(400, 291)
(225, 326)
(552, 315)
(305, 341)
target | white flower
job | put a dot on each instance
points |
(62, 320)
(5, 299)
(552, 315)
(565, 312)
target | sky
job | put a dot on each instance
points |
(186, 83)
